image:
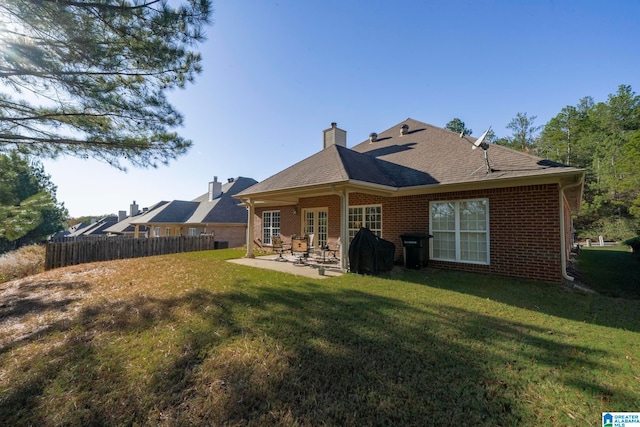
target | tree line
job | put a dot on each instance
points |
(604, 139)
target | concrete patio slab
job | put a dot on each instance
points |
(308, 270)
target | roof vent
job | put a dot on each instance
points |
(404, 129)
(230, 179)
(373, 137)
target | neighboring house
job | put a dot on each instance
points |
(215, 212)
(82, 230)
(124, 227)
(507, 214)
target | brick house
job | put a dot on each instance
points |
(214, 212)
(491, 210)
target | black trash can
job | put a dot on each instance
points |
(415, 247)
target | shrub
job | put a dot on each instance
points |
(612, 229)
(634, 243)
(23, 262)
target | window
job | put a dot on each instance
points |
(192, 231)
(316, 222)
(460, 231)
(156, 231)
(270, 225)
(365, 216)
(167, 231)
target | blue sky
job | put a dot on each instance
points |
(277, 73)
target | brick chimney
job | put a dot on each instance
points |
(215, 189)
(334, 136)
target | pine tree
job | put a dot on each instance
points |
(29, 211)
(89, 78)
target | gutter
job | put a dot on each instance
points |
(563, 253)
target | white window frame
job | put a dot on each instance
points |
(192, 231)
(269, 227)
(157, 231)
(364, 219)
(316, 222)
(458, 233)
(167, 231)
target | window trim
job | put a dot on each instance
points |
(320, 238)
(457, 231)
(354, 229)
(266, 239)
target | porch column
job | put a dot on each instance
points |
(250, 213)
(136, 232)
(344, 230)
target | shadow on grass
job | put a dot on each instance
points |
(611, 272)
(304, 355)
(549, 298)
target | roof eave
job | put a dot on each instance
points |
(291, 196)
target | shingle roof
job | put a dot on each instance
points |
(447, 158)
(224, 209)
(96, 228)
(426, 155)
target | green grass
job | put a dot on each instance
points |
(190, 339)
(611, 270)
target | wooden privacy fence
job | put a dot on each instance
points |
(71, 253)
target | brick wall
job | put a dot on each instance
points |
(291, 223)
(235, 235)
(524, 226)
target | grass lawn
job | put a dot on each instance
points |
(191, 339)
(611, 270)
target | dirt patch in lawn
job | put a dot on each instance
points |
(32, 304)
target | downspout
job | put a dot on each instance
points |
(250, 214)
(563, 240)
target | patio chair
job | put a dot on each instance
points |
(333, 252)
(312, 246)
(300, 249)
(277, 245)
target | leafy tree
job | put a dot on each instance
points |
(89, 79)
(631, 171)
(601, 138)
(29, 211)
(524, 133)
(565, 138)
(458, 126)
(615, 123)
